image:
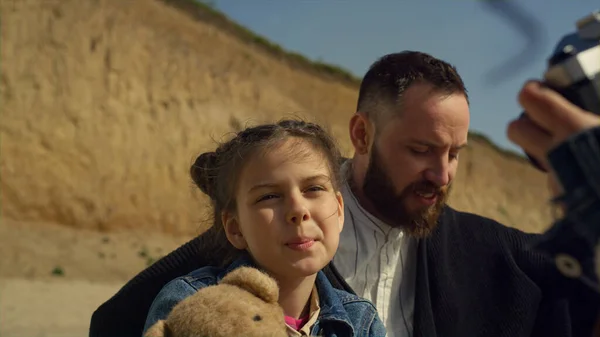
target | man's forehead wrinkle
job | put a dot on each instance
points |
(426, 120)
(437, 144)
(436, 134)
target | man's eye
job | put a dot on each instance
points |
(418, 151)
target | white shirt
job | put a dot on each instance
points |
(379, 263)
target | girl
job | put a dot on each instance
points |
(276, 199)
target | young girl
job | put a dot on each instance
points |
(275, 193)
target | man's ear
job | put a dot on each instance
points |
(340, 200)
(232, 230)
(361, 133)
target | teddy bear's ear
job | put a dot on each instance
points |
(159, 329)
(255, 282)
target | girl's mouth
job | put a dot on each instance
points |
(301, 245)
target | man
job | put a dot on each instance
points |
(412, 121)
(430, 270)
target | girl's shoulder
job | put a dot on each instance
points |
(345, 312)
(354, 304)
(357, 316)
(193, 281)
(211, 275)
(203, 276)
(335, 297)
(349, 298)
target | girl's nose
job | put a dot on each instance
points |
(297, 213)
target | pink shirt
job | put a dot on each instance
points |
(297, 324)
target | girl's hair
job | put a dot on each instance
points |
(216, 173)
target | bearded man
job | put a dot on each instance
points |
(429, 269)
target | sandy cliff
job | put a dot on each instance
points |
(106, 103)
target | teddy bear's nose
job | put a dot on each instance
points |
(257, 318)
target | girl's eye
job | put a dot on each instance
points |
(311, 189)
(315, 189)
(266, 197)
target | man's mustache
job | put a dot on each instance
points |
(428, 187)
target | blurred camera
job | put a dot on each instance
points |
(574, 68)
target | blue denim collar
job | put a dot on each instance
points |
(332, 308)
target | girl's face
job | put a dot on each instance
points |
(289, 216)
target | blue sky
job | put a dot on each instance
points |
(354, 33)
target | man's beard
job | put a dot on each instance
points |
(379, 189)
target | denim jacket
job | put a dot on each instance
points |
(573, 239)
(342, 313)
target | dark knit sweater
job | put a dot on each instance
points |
(475, 277)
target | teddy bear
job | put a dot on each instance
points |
(243, 303)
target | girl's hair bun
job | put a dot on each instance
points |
(203, 172)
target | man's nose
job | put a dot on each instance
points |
(297, 211)
(439, 173)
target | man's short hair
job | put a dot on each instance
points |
(388, 78)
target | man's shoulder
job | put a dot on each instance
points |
(484, 240)
(464, 218)
(486, 227)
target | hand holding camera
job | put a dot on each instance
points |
(555, 109)
(549, 121)
(567, 102)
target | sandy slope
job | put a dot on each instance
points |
(49, 308)
(34, 301)
(39, 251)
(105, 105)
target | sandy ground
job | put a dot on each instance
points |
(49, 308)
(52, 277)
